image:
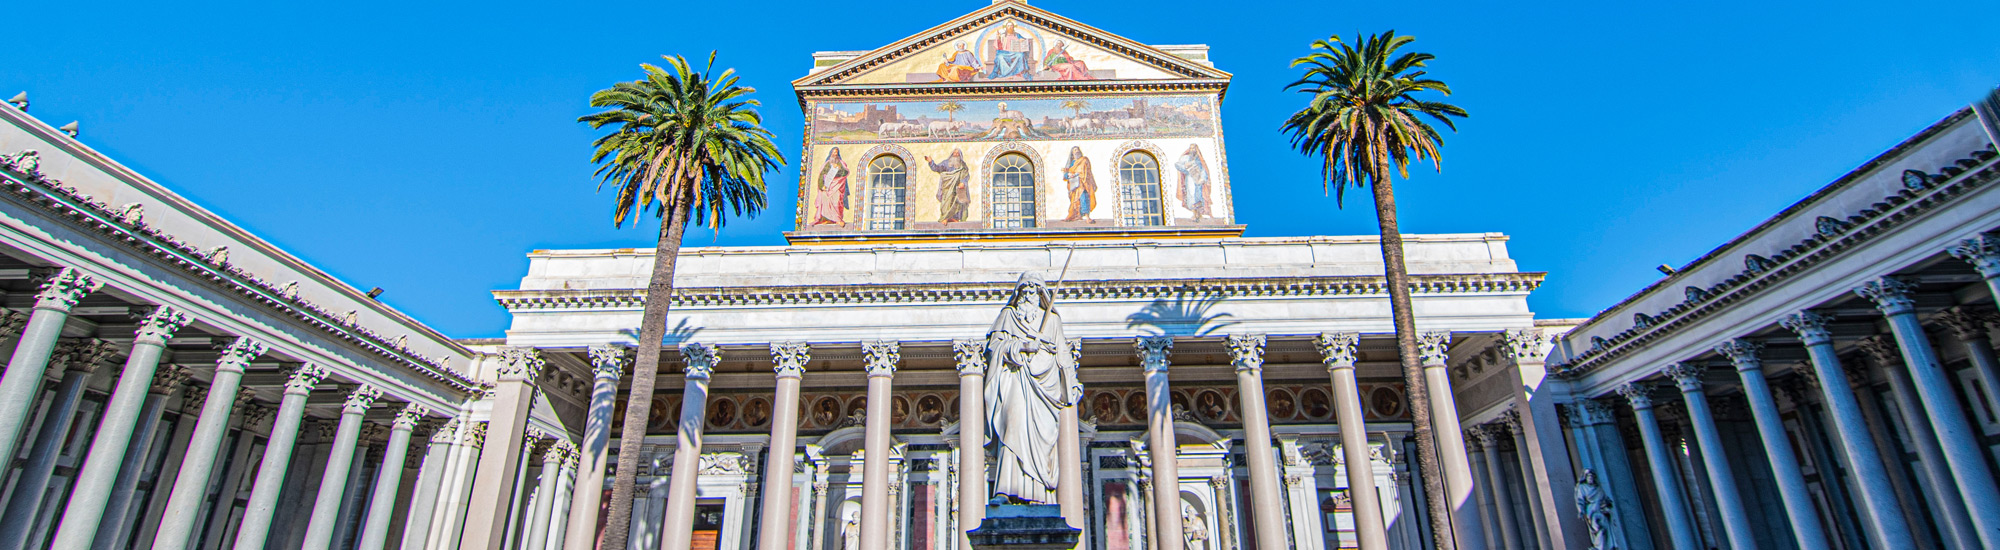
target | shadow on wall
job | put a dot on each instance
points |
(1183, 314)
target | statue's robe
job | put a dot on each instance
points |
(1025, 391)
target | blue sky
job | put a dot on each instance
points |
(427, 147)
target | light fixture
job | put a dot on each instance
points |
(1667, 269)
(20, 101)
(69, 128)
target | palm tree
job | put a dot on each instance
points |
(1363, 122)
(1075, 106)
(948, 108)
(683, 145)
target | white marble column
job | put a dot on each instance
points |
(679, 524)
(1339, 351)
(565, 485)
(326, 506)
(1983, 252)
(972, 495)
(881, 358)
(1735, 521)
(1942, 497)
(1493, 520)
(114, 431)
(21, 384)
(1895, 298)
(1666, 477)
(1537, 518)
(115, 529)
(537, 520)
(493, 484)
(455, 498)
(256, 526)
(788, 360)
(1435, 346)
(389, 478)
(606, 361)
(1069, 451)
(73, 362)
(421, 518)
(1777, 445)
(1165, 450)
(1246, 354)
(1879, 502)
(177, 522)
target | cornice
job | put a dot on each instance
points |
(807, 295)
(1831, 240)
(68, 204)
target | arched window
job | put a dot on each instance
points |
(1139, 190)
(1013, 191)
(888, 186)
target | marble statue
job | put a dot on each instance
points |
(1595, 508)
(1030, 378)
(1194, 530)
(850, 531)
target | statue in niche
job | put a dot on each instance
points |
(850, 531)
(1030, 378)
(1194, 530)
(1595, 507)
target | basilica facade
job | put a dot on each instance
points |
(1825, 380)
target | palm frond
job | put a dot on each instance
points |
(1365, 120)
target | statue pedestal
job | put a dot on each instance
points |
(1024, 527)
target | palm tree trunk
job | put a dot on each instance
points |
(645, 371)
(1418, 396)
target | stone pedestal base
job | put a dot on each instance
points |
(1024, 527)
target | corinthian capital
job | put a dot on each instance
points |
(521, 364)
(1891, 295)
(1434, 346)
(240, 352)
(971, 356)
(161, 324)
(1523, 344)
(1686, 375)
(303, 379)
(608, 360)
(789, 359)
(359, 400)
(1246, 351)
(1153, 351)
(1982, 251)
(1640, 394)
(62, 291)
(700, 359)
(1743, 353)
(881, 356)
(408, 418)
(1964, 323)
(168, 379)
(1338, 350)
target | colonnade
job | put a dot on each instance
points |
(1962, 494)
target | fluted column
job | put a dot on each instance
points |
(1434, 347)
(1666, 479)
(21, 384)
(1962, 450)
(1983, 252)
(493, 483)
(679, 525)
(1806, 527)
(326, 507)
(1498, 535)
(256, 525)
(113, 531)
(565, 485)
(1339, 351)
(1722, 482)
(1877, 495)
(1246, 354)
(606, 362)
(537, 519)
(881, 358)
(1503, 499)
(73, 362)
(114, 431)
(1537, 517)
(1153, 353)
(788, 360)
(389, 478)
(972, 496)
(432, 473)
(190, 488)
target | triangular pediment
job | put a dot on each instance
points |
(1010, 43)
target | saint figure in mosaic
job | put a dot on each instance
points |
(830, 199)
(960, 65)
(1082, 185)
(1013, 54)
(954, 191)
(1030, 378)
(1066, 66)
(1193, 191)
